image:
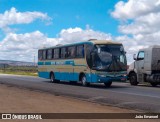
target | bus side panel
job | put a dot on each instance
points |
(57, 75)
(89, 77)
(65, 76)
(64, 72)
(80, 66)
(75, 77)
(94, 78)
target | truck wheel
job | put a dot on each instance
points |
(108, 84)
(154, 84)
(133, 79)
(84, 81)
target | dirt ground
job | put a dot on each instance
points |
(18, 100)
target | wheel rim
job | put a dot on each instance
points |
(52, 78)
(83, 80)
(133, 78)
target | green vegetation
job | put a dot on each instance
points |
(19, 70)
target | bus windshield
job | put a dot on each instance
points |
(109, 58)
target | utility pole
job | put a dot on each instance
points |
(34, 60)
(4, 67)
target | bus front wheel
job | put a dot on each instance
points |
(84, 81)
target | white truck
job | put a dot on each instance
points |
(146, 67)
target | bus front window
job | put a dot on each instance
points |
(109, 58)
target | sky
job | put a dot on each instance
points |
(27, 25)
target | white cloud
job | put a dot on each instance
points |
(142, 29)
(77, 34)
(23, 47)
(134, 8)
(26, 45)
(143, 24)
(12, 17)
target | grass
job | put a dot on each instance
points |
(19, 70)
(19, 73)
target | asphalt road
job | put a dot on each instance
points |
(142, 98)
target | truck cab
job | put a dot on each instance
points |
(146, 67)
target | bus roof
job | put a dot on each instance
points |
(104, 42)
(86, 42)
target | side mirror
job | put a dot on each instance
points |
(134, 57)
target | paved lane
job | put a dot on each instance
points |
(143, 98)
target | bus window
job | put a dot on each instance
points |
(40, 55)
(71, 52)
(56, 53)
(44, 54)
(52, 53)
(49, 54)
(63, 52)
(80, 51)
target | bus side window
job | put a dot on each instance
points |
(80, 51)
(49, 54)
(52, 53)
(56, 53)
(71, 52)
(44, 54)
(40, 54)
(63, 53)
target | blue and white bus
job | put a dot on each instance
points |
(93, 61)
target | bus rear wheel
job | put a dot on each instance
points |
(52, 78)
(108, 84)
(84, 81)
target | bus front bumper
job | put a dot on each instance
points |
(103, 78)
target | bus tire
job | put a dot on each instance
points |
(108, 84)
(84, 81)
(52, 78)
(133, 79)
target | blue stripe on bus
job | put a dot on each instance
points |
(47, 63)
(40, 63)
(69, 62)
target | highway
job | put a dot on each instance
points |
(143, 98)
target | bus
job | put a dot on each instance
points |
(93, 61)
